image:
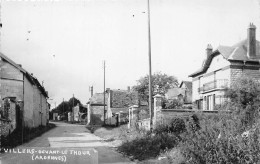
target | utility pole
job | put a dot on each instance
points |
(0, 25)
(91, 90)
(63, 107)
(150, 67)
(73, 108)
(104, 66)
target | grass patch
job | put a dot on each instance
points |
(148, 146)
(110, 133)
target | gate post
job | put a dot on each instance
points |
(89, 114)
(157, 107)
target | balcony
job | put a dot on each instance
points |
(216, 84)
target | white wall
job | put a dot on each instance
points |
(216, 65)
(28, 104)
(217, 62)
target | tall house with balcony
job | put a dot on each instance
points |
(222, 67)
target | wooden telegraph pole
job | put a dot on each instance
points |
(104, 66)
(150, 67)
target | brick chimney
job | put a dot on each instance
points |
(251, 41)
(208, 50)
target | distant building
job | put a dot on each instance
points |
(183, 93)
(187, 86)
(222, 67)
(116, 101)
(96, 108)
(78, 113)
(26, 91)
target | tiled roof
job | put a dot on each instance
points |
(98, 98)
(237, 52)
(123, 98)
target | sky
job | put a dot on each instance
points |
(64, 43)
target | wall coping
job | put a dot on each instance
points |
(134, 106)
(157, 96)
(190, 111)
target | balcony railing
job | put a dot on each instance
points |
(216, 84)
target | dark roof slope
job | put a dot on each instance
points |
(237, 52)
(123, 98)
(188, 84)
(32, 79)
(98, 98)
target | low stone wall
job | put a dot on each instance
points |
(5, 126)
(162, 116)
(165, 115)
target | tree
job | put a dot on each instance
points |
(160, 84)
(244, 100)
(73, 103)
(66, 106)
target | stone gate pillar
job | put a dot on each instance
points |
(131, 116)
(89, 114)
(157, 107)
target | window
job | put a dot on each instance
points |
(214, 101)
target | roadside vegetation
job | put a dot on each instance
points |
(227, 137)
(17, 138)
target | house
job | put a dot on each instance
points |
(96, 108)
(175, 94)
(183, 93)
(79, 113)
(116, 101)
(187, 86)
(26, 91)
(222, 67)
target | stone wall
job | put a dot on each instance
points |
(238, 72)
(5, 126)
(97, 115)
(8, 125)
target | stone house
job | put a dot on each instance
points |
(96, 108)
(116, 102)
(77, 113)
(222, 67)
(24, 89)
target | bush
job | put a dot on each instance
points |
(220, 139)
(213, 144)
(148, 146)
(176, 126)
(174, 104)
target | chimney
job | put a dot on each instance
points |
(208, 50)
(91, 91)
(128, 89)
(20, 65)
(251, 41)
